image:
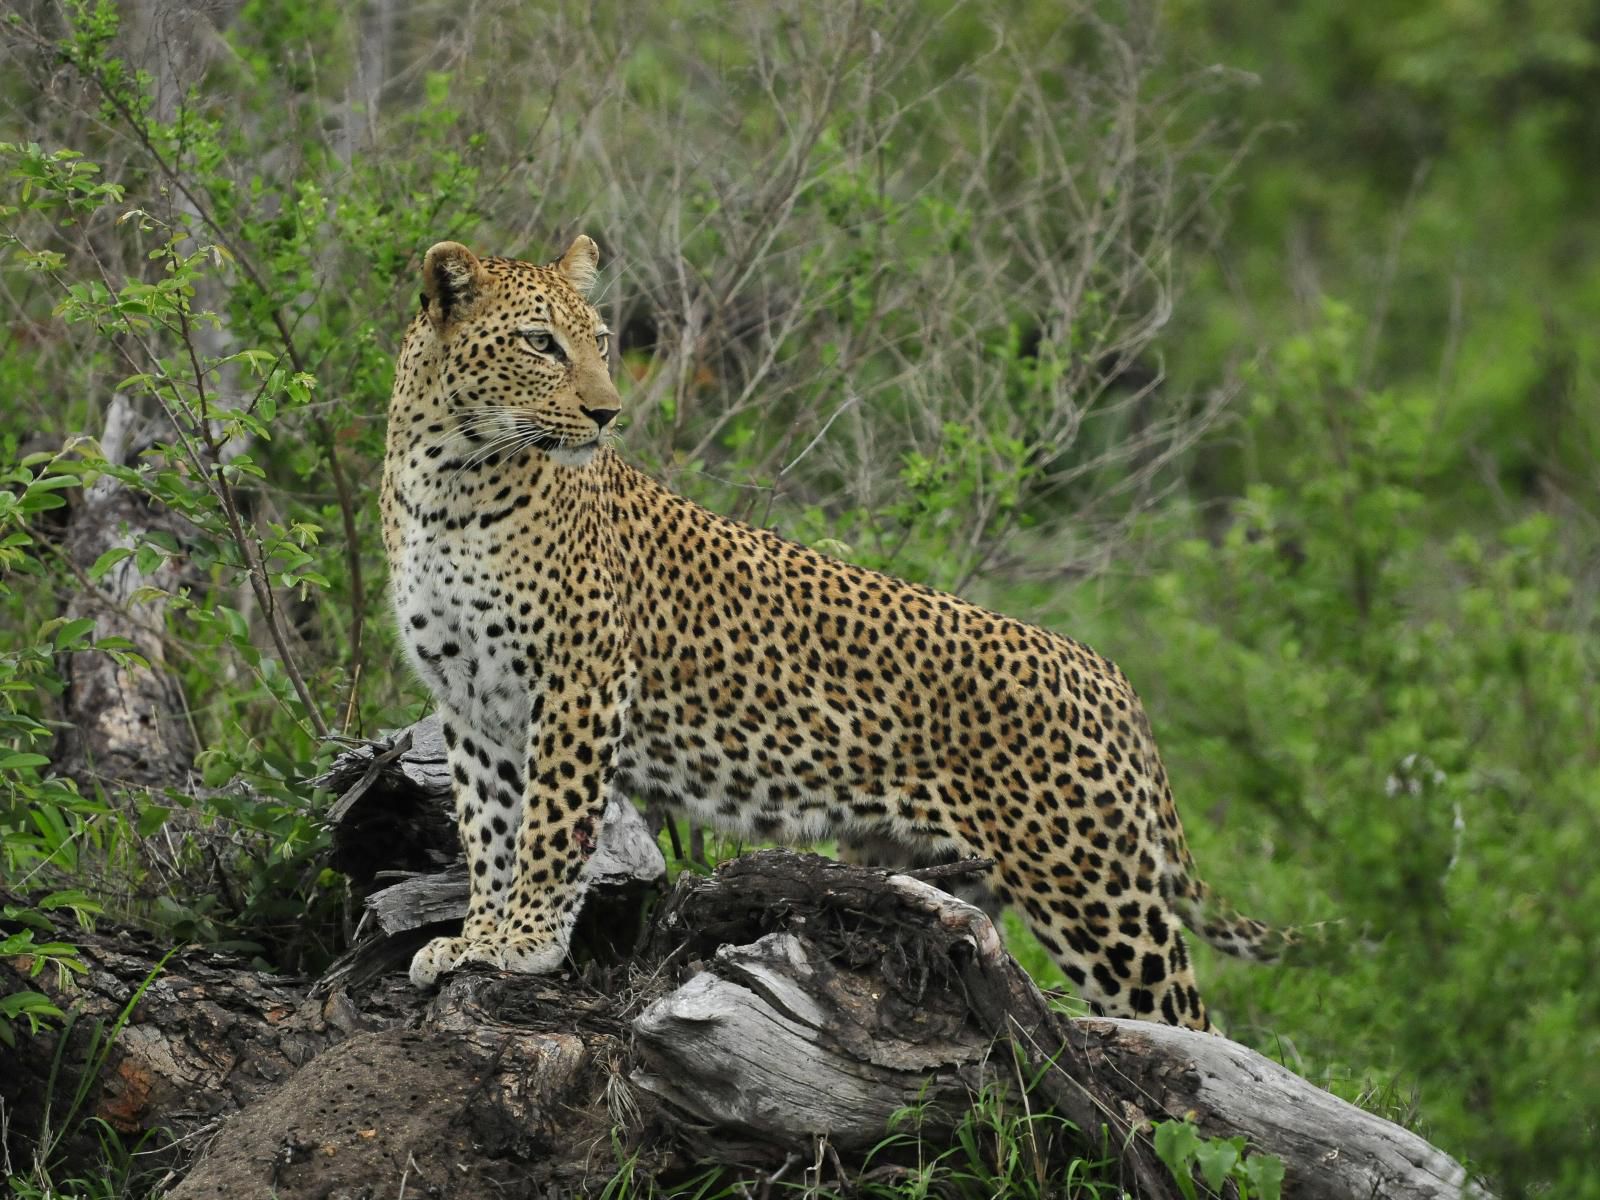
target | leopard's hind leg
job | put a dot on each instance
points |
(1098, 901)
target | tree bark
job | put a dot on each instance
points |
(786, 1010)
(126, 724)
(204, 1037)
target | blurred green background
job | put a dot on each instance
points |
(1253, 344)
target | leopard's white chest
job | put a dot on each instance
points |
(456, 607)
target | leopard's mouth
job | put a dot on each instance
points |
(558, 441)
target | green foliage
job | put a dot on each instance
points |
(1001, 1146)
(1400, 726)
(629, 1183)
(1454, 198)
(45, 824)
(1004, 1148)
(1218, 1160)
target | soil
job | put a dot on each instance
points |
(405, 1113)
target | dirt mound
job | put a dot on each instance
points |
(405, 1113)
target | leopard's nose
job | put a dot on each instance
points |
(601, 416)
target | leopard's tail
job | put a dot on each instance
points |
(1207, 915)
(1216, 922)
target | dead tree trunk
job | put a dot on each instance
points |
(206, 1036)
(773, 1015)
(126, 722)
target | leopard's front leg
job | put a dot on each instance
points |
(489, 779)
(527, 883)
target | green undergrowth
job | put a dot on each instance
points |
(1000, 1148)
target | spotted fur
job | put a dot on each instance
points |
(585, 629)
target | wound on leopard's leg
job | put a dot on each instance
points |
(536, 929)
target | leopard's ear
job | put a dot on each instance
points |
(452, 282)
(580, 263)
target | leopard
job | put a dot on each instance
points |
(586, 631)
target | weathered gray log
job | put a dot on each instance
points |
(776, 1043)
(1331, 1148)
(768, 1039)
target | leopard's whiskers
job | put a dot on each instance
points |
(514, 430)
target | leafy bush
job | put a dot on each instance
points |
(1396, 731)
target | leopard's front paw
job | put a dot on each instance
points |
(523, 955)
(437, 959)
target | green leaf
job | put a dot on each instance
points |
(35, 501)
(259, 360)
(108, 560)
(1176, 1143)
(233, 619)
(1216, 1158)
(13, 760)
(1264, 1174)
(72, 632)
(48, 483)
(151, 818)
(217, 767)
(79, 901)
(34, 1005)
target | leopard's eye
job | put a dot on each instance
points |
(603, 339)
(543, 341)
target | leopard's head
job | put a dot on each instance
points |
(524, 356)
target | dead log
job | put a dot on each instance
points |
(206, 1036)
(775, 1043)
(771, 1040)
(1331, 1148)
(784, 1003)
